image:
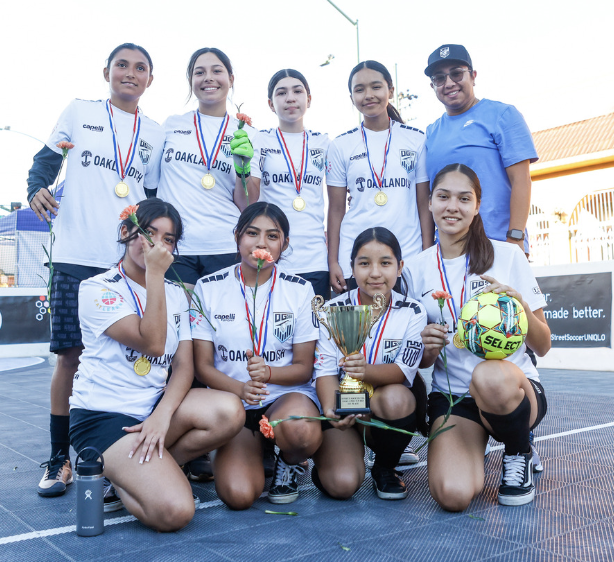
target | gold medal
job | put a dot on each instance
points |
(142, 366)
(381, 198)
(458, 343)
(208, 181)
(122, 189)
(299, 204)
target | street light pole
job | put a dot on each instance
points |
(354, 23)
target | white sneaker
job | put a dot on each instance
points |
(409, 456)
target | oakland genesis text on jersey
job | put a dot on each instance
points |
(510, 267)
(86, 226)
(106, 380)
(348, 166)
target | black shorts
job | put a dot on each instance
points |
(468, 409)
(97, 429)
(192, 268)
(320, 281)
(65, 329)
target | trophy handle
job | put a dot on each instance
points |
(317, 306)
(379, 302)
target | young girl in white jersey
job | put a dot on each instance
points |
(114, 162)
(269, 367)
(135, 325)
(382, 165)
(388, 362)
(291, 174)
(505, 397)
(197, 173)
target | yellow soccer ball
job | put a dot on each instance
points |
(493, 325)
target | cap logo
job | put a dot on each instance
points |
(444, 52)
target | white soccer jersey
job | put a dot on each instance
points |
(209, 215)
(290, 321)
(307, 251)
(510, 267)
(86, 226)
(106, 380)
(394, 338)
(348, 166)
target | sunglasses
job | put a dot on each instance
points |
(456, 75)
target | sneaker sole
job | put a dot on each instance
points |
(517, 500)
(287, 498)
(409, 459)
(113, 506)
(58, 489)
(390, 496)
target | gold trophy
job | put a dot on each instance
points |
(350, 326)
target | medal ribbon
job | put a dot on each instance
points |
(381, 326)
(261, 343)
(135, 297)
(377, 180)
(210, 158)
(446, 284)
(298, 179)
(119, 166)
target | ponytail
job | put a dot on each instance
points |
(475, 242)
(378, 67)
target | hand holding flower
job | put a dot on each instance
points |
(257, 368)
(253, 392)
(157, 258)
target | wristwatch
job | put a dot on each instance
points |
(515, 234)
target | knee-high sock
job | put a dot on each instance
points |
(60, 441)
(389, 445)
(512, 428)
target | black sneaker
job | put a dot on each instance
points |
(285, 484)
(269, 458)
(112, 501)
(58, 475)
(409, 456)
(388, 484)
(517, 480)
(537, 463)
(199, 469)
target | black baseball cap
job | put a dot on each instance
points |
(448, 53)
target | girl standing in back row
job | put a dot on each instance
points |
(197, 173)
(291, 175)
(382, 165)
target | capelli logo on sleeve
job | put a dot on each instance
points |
(225, 317)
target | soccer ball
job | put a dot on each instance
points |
(492, 325)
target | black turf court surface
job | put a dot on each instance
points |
(572, 517)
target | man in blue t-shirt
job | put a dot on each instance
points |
(490, 137)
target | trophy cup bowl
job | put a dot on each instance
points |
(349, 327)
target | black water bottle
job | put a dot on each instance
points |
(90, 495)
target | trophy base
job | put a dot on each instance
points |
(352, 403)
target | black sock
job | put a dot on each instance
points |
(512, 428)
(389, 445)
(60, 441)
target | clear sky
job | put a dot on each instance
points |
(551, 59)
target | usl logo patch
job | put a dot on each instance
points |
(408, 159)
(283, 325)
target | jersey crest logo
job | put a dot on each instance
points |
(108, 300)
(177, 322)
(360, 184)
(266, 178)
(444, 52)
(145, 150)
(408, 159)
(283, 325)
(225, 148)
(412, 351)
(477, 286)
(317, 158)
(391, 350)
